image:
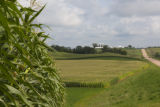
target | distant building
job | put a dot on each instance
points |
(120, 46)
(100, 46)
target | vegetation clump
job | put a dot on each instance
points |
(157, 54)
(89, 50)
(27, 73)
(106, 48)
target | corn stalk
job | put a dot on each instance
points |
(27, 73)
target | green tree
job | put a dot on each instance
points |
(95, 45)
(105, 48)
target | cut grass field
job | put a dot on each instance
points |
(140, 90)
(95, 70)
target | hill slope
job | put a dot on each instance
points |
(141, 90)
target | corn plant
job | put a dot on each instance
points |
(27, 74)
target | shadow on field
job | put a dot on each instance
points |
(101, 58)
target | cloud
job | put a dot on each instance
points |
(136, 8)
(61, 13)
(112, 22)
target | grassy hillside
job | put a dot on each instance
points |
(140, 90)
(74, 95)
(152, 51)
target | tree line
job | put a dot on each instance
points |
(88, 49)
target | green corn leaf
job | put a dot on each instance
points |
(17, 92)
(31, 20)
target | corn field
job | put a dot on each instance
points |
(28, 77)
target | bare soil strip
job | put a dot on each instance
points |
(154, 61)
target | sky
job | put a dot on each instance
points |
(110, 22)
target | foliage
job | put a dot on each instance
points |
(77, 50)
(88, 49)
(62, 48)
(154, 52)
(157, 54)
(84, 50)
(27, 73)
(85, 84)
(95, 45)
(130, 47)
(106, 48)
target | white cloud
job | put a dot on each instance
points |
(113, 22)
(58, 12)
(155, 24)
(136, 7)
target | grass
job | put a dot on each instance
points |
(152, 51)
(134, 53)
(95, 70)
(140, 90)
(133, 83)
(74, 95)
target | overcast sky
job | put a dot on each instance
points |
(112, 22)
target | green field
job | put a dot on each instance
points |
(141, 90)
(134, 53)
(95, 70)
(75, 95)
(152, 51)
(138, 83)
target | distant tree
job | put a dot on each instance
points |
(78, 49)
(95, 45)
(129, 46)
(88, 50)
(61, 48)
(123, 52)
(105, 48)
(84, 50)
(157, 54)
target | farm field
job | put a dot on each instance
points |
(152, 51)
(101, 69)
(96, 70)
(134, 53)
(140, 90)
(75, 95)
(99, 54)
